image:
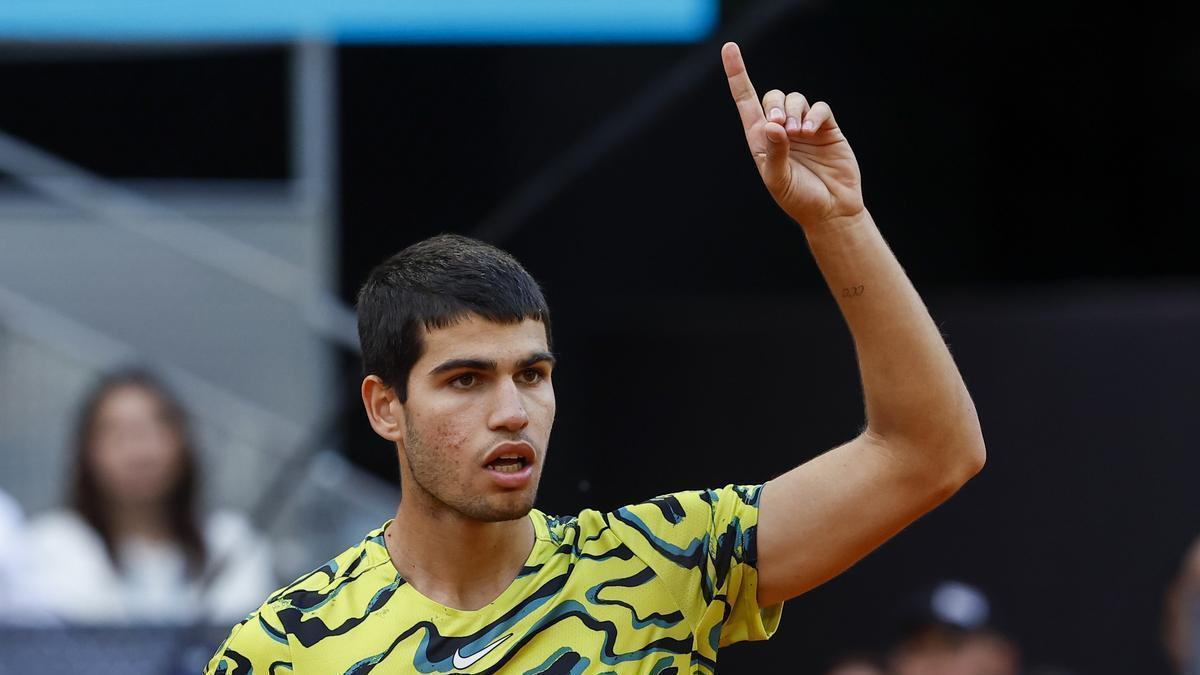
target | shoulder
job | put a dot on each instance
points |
(559, 529)
(693, 508)
(9, 509)
(685, 526)
(696, 510)
(72, 565)
(224, 527)
(367, 560)
(255, 643)
(60, 526)
(11, 517)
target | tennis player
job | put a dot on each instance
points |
(468, 577)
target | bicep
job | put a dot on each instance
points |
(821, 517)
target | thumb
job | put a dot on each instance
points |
(775, 169)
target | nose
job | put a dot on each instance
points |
(508, 411)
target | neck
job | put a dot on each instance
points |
(456, 561)
(141, 521)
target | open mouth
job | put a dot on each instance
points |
(508, 464)
(510, 461)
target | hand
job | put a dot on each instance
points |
(803, 158)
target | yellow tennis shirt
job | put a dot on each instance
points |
(654, 588)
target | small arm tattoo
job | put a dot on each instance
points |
(853, 291)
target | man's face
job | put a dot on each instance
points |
(478, 417)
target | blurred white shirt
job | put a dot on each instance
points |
(80, 584)
(11, 539)
(20, 601)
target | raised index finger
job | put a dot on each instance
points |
(740, 86)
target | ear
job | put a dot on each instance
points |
(384, 409)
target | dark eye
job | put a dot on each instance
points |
(530, 376)
(463, 381)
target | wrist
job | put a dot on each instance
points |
(844, 225)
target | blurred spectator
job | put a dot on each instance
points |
(1182, 620)
(932, 652)
(856, 664)
(11, 542)
(18, 600)
(131, 546)
(948, 630)
(987, 652)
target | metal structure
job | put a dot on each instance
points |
(97, 273)
(222, 286)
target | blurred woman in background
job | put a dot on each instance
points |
(131, 548)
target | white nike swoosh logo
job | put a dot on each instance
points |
(461, 662)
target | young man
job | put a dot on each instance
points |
(469, 578)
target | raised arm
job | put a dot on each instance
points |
(922, 439)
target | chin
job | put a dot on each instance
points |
(500, 508)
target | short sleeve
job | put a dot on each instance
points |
(257, 645)
(703, 546)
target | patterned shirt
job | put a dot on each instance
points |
(654, 588)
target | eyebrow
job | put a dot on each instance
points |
(483, 364)
(537, 357)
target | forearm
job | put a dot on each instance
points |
(913, 391)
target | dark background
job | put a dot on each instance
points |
(1031, 165)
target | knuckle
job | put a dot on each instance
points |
(774, 94)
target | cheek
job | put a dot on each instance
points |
(543, 409)
(444, 437)
(172, 461)
(105, 462)
(457, 433)
(450, 436)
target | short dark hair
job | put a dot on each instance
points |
(433, 284)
